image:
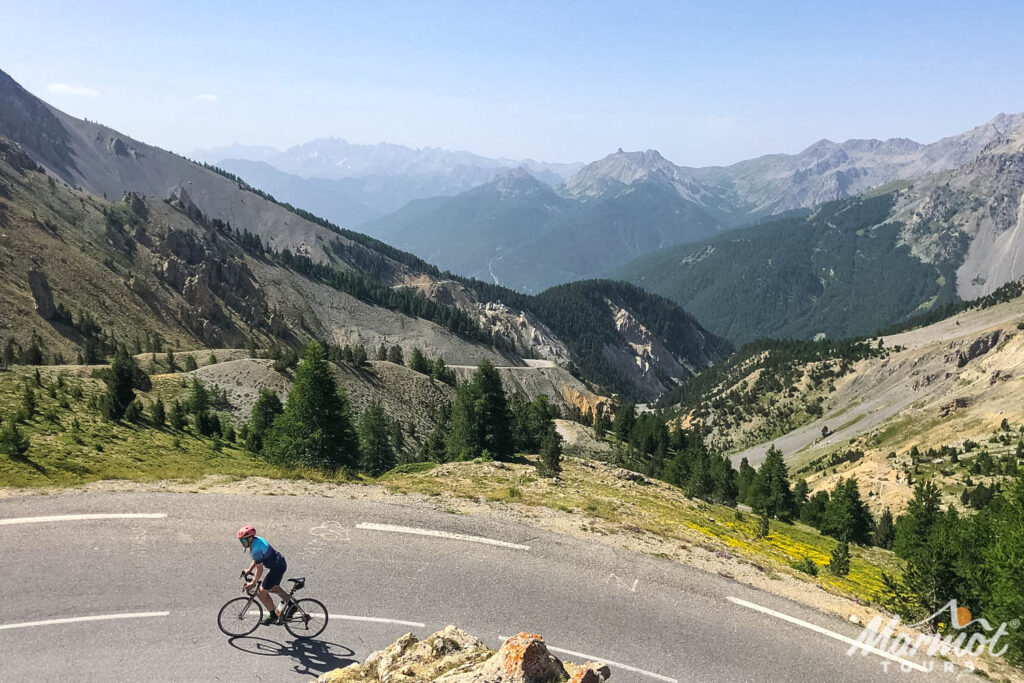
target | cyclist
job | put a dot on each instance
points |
(264, 555)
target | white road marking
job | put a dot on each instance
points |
(80, 518)
(439, 534)
(75, 620)
(830, 634)
(618, 665)
(349, 617)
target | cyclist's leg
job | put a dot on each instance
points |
(272, 584)
(264, 597)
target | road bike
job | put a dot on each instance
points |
(304, 619)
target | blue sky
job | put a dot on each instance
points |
(704, 83)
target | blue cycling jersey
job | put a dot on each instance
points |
(264, 553)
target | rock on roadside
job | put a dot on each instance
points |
(453, 656)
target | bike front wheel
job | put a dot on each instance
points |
(240, 617)
(309, 619)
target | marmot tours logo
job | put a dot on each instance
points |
(962, 640)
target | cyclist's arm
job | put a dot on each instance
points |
(259, 571)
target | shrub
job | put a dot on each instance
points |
(806, 566)
(839, 563)
(133, 411)
(13, 443)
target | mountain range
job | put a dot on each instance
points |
(529, 236)
(146, 242)
(351, 183)
(855, 266)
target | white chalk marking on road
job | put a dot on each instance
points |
(350, 617)
(830, 634)
(623, 584)
(440, 534)
(75, 620)
(81, 518)
(618, 665)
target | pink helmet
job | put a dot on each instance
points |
(248, 531)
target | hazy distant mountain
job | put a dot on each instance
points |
(350, 184)
(248, 152)
(521, 233)
(828, 170)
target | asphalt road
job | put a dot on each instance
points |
(668, 621)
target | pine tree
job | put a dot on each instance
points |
(120, 385)
(397, 437)
(763, 524)
(395, 355)
(418, 362)
(770, 490)
(28, 402)
(800, 493)
(158, 413)
(172, 366)
(744, 478)
(315, 428)
(264, 412)
(212, 360)
(846, 516)
(376, 453)
(885, 530)
(462, 439)
(227, 430)
(13, 443)
(494, 420)
(839, 562)
(813, 512)
(441, 373)
(1004, 566)
(382, 352)
(625, 419)
(198, 397)
(190, 363)
(358, 355)
(549, 462)
(178, 416)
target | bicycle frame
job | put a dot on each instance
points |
(255, 592)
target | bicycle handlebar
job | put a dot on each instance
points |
(248, 576)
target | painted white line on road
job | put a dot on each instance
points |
(75, 620)
(830, 634)
(350, 617)
(439, 534)
(80, 518)
(617, 665)
(625, 667)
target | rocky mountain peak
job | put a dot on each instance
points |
(622, 169)
(517, 181)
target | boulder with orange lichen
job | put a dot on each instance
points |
(453, 656)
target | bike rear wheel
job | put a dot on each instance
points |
(240, 617)
(309, 620)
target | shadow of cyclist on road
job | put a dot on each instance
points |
(312, 657)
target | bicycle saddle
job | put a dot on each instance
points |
(299, 583)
